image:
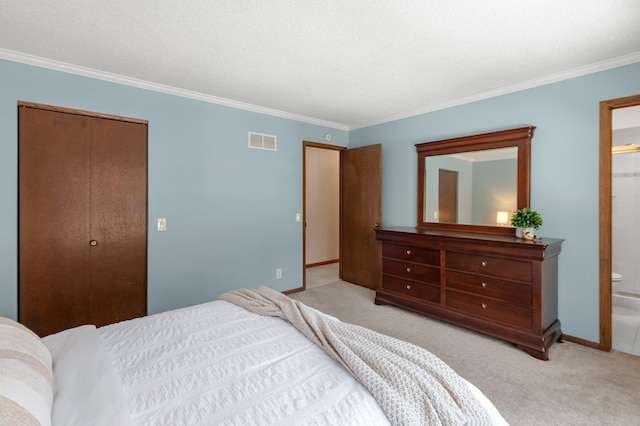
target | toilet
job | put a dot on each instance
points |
(616, 279)
(623, 301)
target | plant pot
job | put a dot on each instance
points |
(529, 234)
(526, 233)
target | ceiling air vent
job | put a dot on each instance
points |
(261, 141)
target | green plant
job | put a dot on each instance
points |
(526, 218)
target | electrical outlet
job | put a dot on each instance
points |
(162, 224)
(278, 273)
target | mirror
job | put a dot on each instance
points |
(474, 183)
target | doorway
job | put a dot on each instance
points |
(321, 214)
(605, 231)
(360, 211)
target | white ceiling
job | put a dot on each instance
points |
(346, 64)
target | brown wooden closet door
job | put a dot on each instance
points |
(83, 220)
(118, 220)
(54, 177)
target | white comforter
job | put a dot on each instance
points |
(214, 363)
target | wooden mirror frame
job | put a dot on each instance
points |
(519, 138)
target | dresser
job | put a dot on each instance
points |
(498, 285)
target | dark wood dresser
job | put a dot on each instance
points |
(499, 285)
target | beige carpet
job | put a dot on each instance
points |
(576, 386)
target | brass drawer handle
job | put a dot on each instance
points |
(409, 252)
(408, 287)
(484, 285)
(484, 306)
(484, 263)
(93, 243)
(408, 269)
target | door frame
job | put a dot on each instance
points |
(305, 145)
(606, 110)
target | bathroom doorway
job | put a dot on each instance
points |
(619, 190)
(625, 230)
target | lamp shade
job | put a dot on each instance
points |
(502, 218)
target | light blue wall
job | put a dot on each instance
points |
(230, 210)
(564, 170)
(494, 189)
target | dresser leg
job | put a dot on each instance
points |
(540, 348)
(543, 354)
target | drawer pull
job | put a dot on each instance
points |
(408, 287)
(408, 269)
(409, 252)
(484, 285)
(484, 306)
(484, 263)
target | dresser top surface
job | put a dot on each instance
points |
(498, 238)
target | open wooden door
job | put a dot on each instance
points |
(361, 211)
(447, 196)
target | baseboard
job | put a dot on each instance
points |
(293, 290)
(326, 262)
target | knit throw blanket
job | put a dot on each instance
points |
(413, 386)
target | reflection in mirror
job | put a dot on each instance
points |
(472, 187)
(474, 183)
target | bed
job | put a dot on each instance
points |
(252, 357)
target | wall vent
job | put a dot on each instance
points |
(262, 141)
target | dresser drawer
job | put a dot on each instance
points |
(518, 270)
(411, 288)
(491, 309)
(412, 254)
(507, 291)
(412, 271)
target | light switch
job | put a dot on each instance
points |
(297, 217)
(162, 224)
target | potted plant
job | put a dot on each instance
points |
(526, 221)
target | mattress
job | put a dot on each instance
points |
(214, 363)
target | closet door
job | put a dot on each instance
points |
(82, 219)
(54, 220)
(118, 220)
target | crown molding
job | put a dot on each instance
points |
(552, 78)
(142, 84)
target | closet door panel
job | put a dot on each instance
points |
(118, 220)
(54, 233)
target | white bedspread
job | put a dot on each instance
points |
(413, 386)
(220, 364)
(214, 363)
